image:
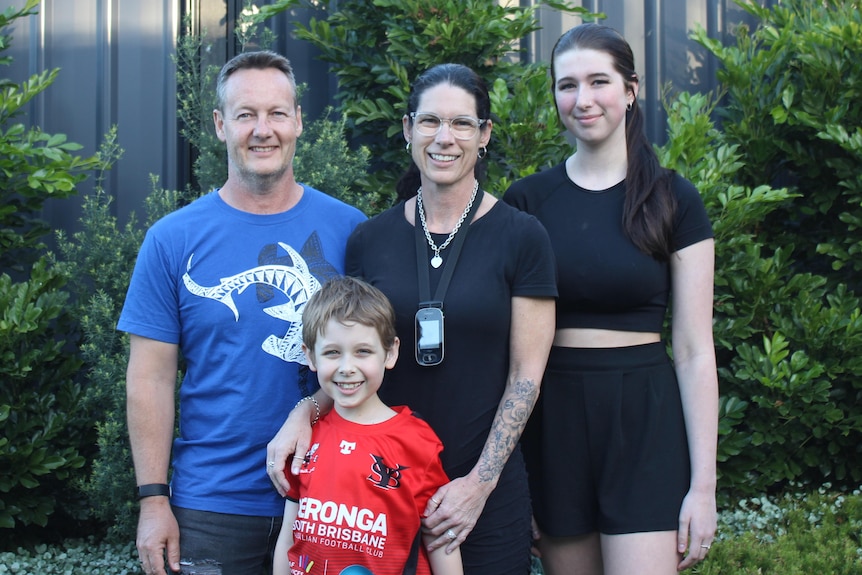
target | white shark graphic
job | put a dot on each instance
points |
(295, 281)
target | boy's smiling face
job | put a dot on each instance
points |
(350, 361)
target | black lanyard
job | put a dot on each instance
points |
(449, 267)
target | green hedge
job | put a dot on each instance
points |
(788, 322)
(45, 435)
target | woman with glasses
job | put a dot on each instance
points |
(497, 317)
(473, 286)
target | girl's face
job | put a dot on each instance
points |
(444, 159)
(592, 97)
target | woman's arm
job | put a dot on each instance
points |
(692, 272)
(461, 501)
(294, 437)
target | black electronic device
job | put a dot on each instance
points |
(429, 336)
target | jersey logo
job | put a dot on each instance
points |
(383, 476)
(310, 458)
(293, 275)
(347, 447)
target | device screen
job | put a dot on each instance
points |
(429, 334)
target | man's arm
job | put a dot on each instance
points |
(150, 388)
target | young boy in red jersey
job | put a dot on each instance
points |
(356, 506)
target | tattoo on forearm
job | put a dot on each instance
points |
(512, 416)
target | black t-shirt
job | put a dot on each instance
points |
(506, 253)
(605, 281)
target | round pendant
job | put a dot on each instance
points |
(436, 261)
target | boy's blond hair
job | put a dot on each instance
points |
(348, 300)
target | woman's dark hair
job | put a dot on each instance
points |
(459, 76)
(649, 206)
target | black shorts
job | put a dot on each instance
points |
(606, 446)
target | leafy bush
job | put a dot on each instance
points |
(788, 331)
(73, 557)
(46, 435)
(325, 161)
(378, 48)
(196, 99)
(787, 344)
(44, 432)
(529, 136)
(793, 89)
(100, 259)
(34, 166)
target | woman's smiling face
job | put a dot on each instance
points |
(591, 95)
(444, 159)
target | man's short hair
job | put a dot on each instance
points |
(348, 300)
(260, 60)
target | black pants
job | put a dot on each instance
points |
(242, 544)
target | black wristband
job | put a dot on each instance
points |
(153, 489)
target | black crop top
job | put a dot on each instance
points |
(604, 280)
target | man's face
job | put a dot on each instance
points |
(260, 124)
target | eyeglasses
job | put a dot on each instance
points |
(462, 127)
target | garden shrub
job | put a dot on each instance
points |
(325, 161)
(34, 166)
(797, 532)
(196, 99)
(788, 324)
(99, 260)
(47, 436)
(787, 344)
(529, 136)
(44, 430)
(793, 85)
(378, 48)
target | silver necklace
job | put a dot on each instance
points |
(436, 260)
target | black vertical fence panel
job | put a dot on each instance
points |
(114, 58)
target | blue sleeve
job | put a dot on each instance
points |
(151, 308)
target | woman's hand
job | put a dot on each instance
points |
(292, 441)
(454, 510)
(697, 525)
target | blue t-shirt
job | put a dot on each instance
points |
(228, 287)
